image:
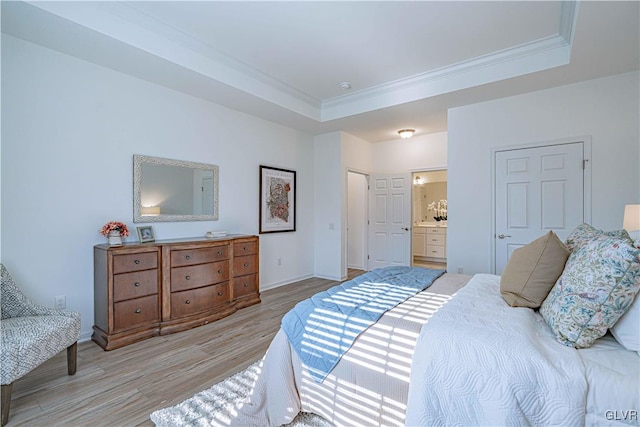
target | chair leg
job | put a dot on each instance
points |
(6, 402)
(72, 358)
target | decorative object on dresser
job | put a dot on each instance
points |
(145, 234)
(277, 200)
(114, 231)
(150, 289)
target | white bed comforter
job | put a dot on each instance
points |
(469, 360)
(481, 362)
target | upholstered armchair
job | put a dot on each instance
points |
(31, 334)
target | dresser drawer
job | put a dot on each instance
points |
(245, 285)
(245, 248)
(195, 276)
(245, 265)
(135, 262)
(436, 239)
(435, 251)
(134, 312)
(199, 256)
(436, 230)
(196, 300)
(135, 285)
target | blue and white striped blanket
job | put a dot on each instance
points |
(322, 328)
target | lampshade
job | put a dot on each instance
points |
(150, 210)
(406, 133)
(631, 221)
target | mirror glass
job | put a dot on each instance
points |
(166, 190)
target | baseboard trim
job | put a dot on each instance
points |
(264, 287)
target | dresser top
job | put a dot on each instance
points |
(175, 241)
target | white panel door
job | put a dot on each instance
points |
(390, 220)
(536, 190)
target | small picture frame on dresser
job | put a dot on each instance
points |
(145, 234)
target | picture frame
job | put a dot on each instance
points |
(277, 200)
(145, 234)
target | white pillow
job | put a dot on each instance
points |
(627, 328)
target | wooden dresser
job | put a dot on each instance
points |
(147, 289)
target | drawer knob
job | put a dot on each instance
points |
(244, 248)
(245, 285)
(188, 257)
(245, 265)
(188, 301)
(137, 261)
(220, 294)
(219, 271)
(188, 277)
(137, 284)
(138, 311)
(219, 252)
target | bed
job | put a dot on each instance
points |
(530, 347)
(393, 374)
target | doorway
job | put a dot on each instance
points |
(430, 209)
(357, 220)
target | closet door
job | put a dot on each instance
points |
(537, 190)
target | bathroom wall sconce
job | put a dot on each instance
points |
(150, 210)
(406, 133)
(418, 181)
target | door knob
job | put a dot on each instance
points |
(405, 229)
(502, 236)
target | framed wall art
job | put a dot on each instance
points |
(277, 200)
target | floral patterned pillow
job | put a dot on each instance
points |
(584, 233)
(597, 286)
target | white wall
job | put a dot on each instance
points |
(606, 109)
(69, 132)
(419, 153)
(328, 206)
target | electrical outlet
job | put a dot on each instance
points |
(60, 302)
(460, 270)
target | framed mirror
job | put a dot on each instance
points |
(166, 190)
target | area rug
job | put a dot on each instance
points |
(216, 405)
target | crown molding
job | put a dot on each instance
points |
(528, 58)
(125, 23)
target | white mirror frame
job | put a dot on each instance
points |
(139, 160)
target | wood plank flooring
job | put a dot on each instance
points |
(123, 386)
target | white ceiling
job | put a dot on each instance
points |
(407, 62)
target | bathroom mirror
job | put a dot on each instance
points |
(166, 190)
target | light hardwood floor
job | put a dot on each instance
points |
(123, 386)
(429, 264)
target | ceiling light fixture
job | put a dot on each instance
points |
(345, 85)
(406, 133)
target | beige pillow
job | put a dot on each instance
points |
(532, 271)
